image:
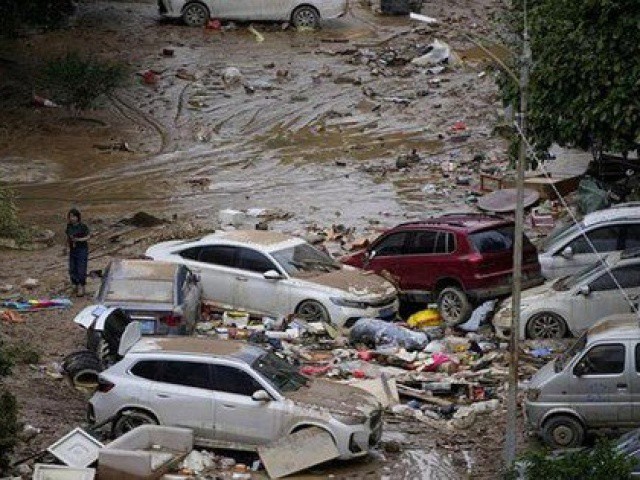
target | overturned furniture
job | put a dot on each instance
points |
(147, 452)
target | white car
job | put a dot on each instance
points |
(307, 13)
(565, 251)
(269, 273)
(231, 394)
(572, 304)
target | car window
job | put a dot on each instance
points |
(445, 243)
(604, 239)
(393, 244)
(632, 237)
(254, 261)
(233, 380)
(219, 255)
(422, 242)
(494, 240)
(190, 253)
(189, 374)
(146, 369)
(627, 277)
(603, 360)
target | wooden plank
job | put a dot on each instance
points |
(298, 451)
(423, 396)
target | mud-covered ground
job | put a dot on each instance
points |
(313, 129)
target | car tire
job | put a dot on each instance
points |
(313, 311)
(130, 419)
(305, 17)
(195, 15)
(563, 431)
(82, 368)
(454, 306)
(546, 325)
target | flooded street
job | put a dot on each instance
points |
(312, 127)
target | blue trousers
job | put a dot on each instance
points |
(78, 260)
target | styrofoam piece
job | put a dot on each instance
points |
(77, 449)
(231, 217)
(60, 472)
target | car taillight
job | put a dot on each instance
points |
(105, 386)
(172, 320)
(474, 258)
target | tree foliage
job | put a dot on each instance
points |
(17, 13)
(585, 79)
(10, 226)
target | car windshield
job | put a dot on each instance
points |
(558, 234)
(283, 377)
(570, 281)
(562, 359)
(304, 258)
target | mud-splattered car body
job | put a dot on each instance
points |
(231, 394)
(269, 273)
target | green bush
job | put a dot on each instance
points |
(16, 13)
(10, 226)
(22, 353)
(78, 81)
(601, 462)
(8, 414)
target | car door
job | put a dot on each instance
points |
(634, 385)
(428, 256)
(604, 297)
(604, 239)
(214, 264)
(256, 293)
(238, 9)
(239, 418)
(182, 396)
(600, 393)
(388, 255)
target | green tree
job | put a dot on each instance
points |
(10, 226)
(585, 79)
(8, 413)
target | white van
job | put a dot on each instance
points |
(595, 384)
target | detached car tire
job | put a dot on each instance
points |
(546, 325)
(195, 15)
(454, 306)
(563, 431)
(130, 419)
(305, 17)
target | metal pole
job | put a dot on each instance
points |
(512, 405)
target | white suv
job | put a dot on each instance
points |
(231, 394)
(566, 251)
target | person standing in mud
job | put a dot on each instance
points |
(77, 242)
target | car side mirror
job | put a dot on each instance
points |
(584, 290)
(261, 396)
(579, 370)
(567, 253)
(371, 254)
(272, 275)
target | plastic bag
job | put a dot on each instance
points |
(376, 332)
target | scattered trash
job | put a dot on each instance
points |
(439, 52)
(231, 76)
(378, 333)
(425, 318)
(77, 449)
(257, 34)
(422, 18)
(39, 101)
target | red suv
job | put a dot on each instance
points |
(457, 260)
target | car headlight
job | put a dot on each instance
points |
(343, 302)
(351, 419)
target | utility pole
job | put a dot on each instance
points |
(514, 344)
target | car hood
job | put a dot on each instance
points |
(542, 376)
(354, 282)
(335, 397)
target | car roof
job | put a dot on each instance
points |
(262, 239)
(622, 211)
(625, 326)
(121, 269)
(468, 222)
(188, 345)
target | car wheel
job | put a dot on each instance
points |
(454, 306)
(313, 311)
(546, 325)
(563, 431)
(305, 17)
(130, 419)
(195, 15)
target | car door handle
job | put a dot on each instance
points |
(162, 395)
(242, 279)
(228, 405)
(621, 385)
